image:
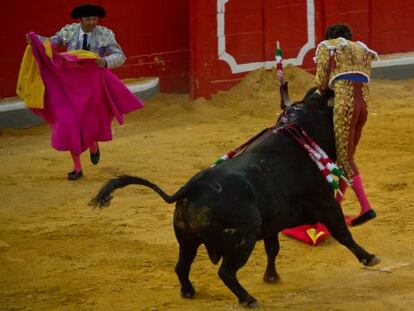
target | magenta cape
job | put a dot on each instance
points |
(80, 99)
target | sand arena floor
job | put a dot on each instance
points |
(56, 253)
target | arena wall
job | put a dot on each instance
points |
(205, 46)
(232, 37)
(153, 34)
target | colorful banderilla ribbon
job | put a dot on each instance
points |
(236, 151)
(327, 167)
(279, 64)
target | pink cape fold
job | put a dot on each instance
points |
(80, 99)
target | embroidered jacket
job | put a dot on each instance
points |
(102, 42)
(338, 57)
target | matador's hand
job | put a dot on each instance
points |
(101, 62)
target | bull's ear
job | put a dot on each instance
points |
(329, 93)
(328, 97)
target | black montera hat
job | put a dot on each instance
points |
(87, 10)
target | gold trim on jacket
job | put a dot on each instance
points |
(339, 56)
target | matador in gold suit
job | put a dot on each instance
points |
(345, 66)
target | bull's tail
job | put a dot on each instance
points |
(103, 198)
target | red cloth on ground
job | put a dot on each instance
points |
(311, 234)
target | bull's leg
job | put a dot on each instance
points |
(333, 219)
(234, 259)
(272, 249)
(188, 251)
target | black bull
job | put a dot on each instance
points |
(271, 186)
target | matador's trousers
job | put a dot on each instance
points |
(350, 115)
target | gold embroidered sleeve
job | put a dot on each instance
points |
(322, 69)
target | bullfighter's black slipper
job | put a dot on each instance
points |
(95, 156)
(364, 218)
(74, 175)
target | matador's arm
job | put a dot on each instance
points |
(322, 68)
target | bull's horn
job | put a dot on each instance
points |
(284, 96)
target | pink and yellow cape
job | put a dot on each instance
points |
(73, 95)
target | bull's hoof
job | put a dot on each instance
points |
(188, 293)
(361, 219)
(271, 278)
(374, 260)
(251, 303)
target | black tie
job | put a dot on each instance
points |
(85, 42)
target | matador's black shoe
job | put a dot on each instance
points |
(95, 156)
(370, 214)
(74, 175)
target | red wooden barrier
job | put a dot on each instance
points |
(233, 37)
(209, 45)
(153, 35)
